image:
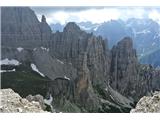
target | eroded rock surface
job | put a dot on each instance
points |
(148, 104)
(37, 98)
(128, 76)
(12, 102)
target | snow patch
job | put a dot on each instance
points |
(9, 62)
(60, 61)
(49, 101)
(143, 32)
(43, 48)
(111, 97)
(84, 28)
(20, 49)
(96, 28)
(34, 68)
(67, 78)
(7, 70)
(87, 28)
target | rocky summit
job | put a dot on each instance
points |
(73, 70)
(148, 104)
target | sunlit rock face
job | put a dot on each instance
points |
(148, 104)
(12, 102)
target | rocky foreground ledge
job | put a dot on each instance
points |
(148, 104)
(11, 102)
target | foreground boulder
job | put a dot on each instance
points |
(11, 102)
(148, 104)
(37, 98)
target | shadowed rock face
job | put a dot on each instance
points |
(124, 67)
(20, 27)
(87, 54)
(127, 76)
(78, 67)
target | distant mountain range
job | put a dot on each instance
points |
(87, 26)
(144, 32)
(152, 58)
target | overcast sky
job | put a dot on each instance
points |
(95, 14)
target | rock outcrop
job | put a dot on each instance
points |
(37, 98)
(20, 27)
(124, 67)
(148, 104)
(127, 75)
(53, 67)
(88, 55)
(11, 102)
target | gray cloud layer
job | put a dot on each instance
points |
(65, 14)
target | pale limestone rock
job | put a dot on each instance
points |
(148, 104)
(11, 102)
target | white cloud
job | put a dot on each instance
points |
(101, 15)
(61, 16)
(154, 15)
(80, 2)
(132, 13)
(93, 15)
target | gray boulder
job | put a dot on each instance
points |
(37, 98)
(11, 102)
(148, 104)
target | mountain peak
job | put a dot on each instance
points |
(126, 42)
(71, 26)
(43, 19)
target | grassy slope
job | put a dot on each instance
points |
(24, 81)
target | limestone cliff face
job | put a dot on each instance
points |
(11, 102)
(127, 76)
(124, 67)
(20, 27)
(71, 45)
(45, 32)
(88, 55)
(148, 104)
